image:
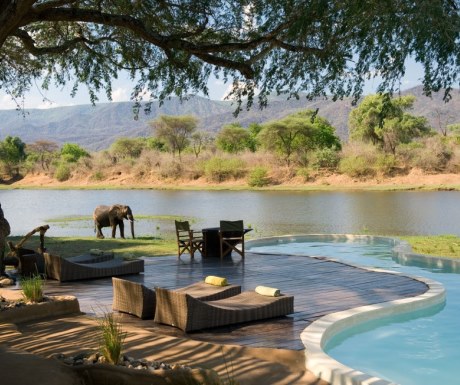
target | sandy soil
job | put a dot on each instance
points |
(416, 179)
(76, 334)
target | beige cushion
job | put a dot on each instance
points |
(268, 291)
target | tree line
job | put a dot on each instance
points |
(302, 140)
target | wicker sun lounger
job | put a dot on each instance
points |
(136, 299)
(187, 313)
(91, 258)
(63, 270)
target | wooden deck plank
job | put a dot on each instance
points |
(319, 287)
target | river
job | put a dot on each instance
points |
(267, 212)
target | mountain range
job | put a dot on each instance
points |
(96, 127)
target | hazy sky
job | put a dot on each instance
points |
(58, 97)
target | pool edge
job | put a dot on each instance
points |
(315, 336)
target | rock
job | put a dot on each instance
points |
(93, 357)
(6, 282)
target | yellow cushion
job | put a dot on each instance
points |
(268, 291)
(217, 281)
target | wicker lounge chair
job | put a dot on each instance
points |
(92, 258)
(63, 270)
(136, 299)
(187, 313)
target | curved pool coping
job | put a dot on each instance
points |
(318, 333)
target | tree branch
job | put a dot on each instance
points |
(29, 44)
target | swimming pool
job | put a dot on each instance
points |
(411, 349)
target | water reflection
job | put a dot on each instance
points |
(432, 264)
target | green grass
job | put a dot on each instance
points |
(132, 248)
(32, 288)
(437, 245)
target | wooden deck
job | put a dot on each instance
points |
(318, 285)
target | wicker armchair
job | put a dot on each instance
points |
(136, 299)
(187, 313)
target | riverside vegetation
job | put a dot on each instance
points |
(300, 149)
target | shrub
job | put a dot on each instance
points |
(358, 160)
(219, 169)
(32, 288)
(71, 152)
(304, 173)
(98, 176)
(432, 157)
(327, 158)
(356, 167)
(385, 164)
(112, 338)
(258, 177)
(62, 172)
(172, 170)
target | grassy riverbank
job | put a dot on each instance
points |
(440, 245)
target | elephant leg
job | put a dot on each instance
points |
(99, 232)
(114, 230)
(122, 229)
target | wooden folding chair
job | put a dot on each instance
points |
(231, 234)
(188, 239)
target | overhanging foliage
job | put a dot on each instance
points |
(320, 47)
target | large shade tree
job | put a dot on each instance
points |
(12, 153)
(172, 47)
(298, 134)
(385, 122)
(233, 138)
(175, 131)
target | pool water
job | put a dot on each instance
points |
(421, 348)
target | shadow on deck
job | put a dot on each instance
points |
(319, 286)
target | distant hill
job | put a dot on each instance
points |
(96, 127)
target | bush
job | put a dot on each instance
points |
(326, 158)
(112, 338)
(62, 172)
(71, 152)
(433, 156)
(32, 288)
(304, 173)
(98, 176)
(172, 170)
(258, 177)
(356, 167)
(219, 169)
(385, 164)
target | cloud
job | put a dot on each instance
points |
(230, 89)
(6, 103)
(120, 95)
(46, 105)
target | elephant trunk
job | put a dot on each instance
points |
(131, 222)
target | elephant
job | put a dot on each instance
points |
(105, 216)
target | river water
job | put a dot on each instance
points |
(267, 212)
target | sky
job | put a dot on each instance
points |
(60, 97)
